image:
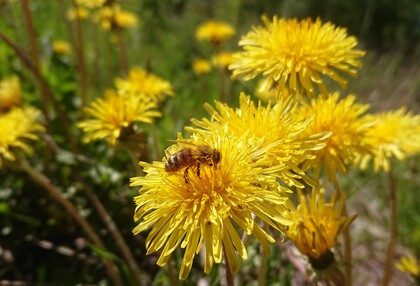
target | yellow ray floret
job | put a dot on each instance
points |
(409, 264)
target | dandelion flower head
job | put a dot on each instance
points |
(223, 59)
(111, 114)
(394, 134)
(201, 66)
(143, 83)
(274, 124)
(317, 223)
(193, 209)
(111, 17)
(18, 126)
(214, 31)
(61, 47)
(91, 3)
(79, 13)
(10, 93)
(345, 119)
(293, 55)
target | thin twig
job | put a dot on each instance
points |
(42, 180)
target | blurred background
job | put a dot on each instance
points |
(40, 244)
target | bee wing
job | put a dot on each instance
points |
(171, 150)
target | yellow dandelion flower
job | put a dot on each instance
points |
(201, 66)
(409, 264)
(113, 113)
(316, 224)
(214, 31)
(141, 82)
(17, 127)
(91, 3)
(293, 54)
(79, 13)
(201, 201)
(111, 17)
(126, 19)
(10, 93)
(274, 124)
(223, 60)
(344, 119)
(394, 134)
(61, 47)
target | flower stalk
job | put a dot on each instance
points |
(119, 32)
(230, 278)
(81, 63)
(389, 263)
(348, 268)
(262, 271)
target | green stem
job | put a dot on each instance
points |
(389, 263)
(31, 32)
(156, 153)
(171, 273)
(122, 51)
(81, 58)
(348, 268)
(230, 278)
(34, 56)
(56, 194)
(262, 271)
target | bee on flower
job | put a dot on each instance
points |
(203, 196)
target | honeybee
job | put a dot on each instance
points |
(188, 157)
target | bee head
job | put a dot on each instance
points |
(216, 157)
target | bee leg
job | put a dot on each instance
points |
(187, 180)
(209, 161)
(198, 169)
